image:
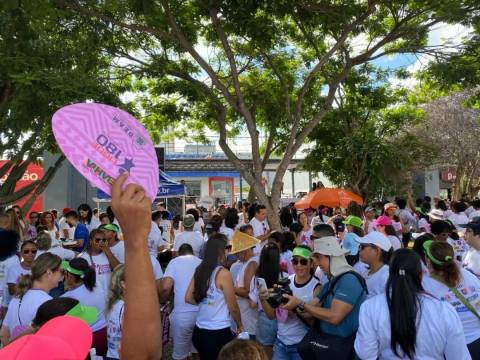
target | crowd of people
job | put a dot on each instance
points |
(388, 280)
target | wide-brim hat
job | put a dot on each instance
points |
(329, 246)
(241, 241)
(437, 214)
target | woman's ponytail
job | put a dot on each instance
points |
(89, 278)
(24, 284)
(403, 288)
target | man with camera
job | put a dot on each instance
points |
(335, 309)
(302, 285)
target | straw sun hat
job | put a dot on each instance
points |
(241, 241)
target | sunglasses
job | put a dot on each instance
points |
(100, 240)
(303, 262)
(228, 247)
(29, 251)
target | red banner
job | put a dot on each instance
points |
(34, 172)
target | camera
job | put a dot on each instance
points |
(276, 297)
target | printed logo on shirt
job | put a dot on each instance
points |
(103, 269)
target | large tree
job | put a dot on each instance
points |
(48, 59)
(217, 61)
(365, 143)
(452, 128)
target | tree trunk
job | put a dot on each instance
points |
(251, 195)
(47, 178)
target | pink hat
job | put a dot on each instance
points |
(383, 221)
(63, 337)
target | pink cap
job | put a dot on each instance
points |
(383, 221)
(63, 337)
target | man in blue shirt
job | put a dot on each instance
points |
(80, 235)
(338, 303)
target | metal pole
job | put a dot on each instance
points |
(293, 182)
(183, 206)
(310, 180)
(241, 189)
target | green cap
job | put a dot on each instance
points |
(354, 221)
(110, 227)
(66, 266)
(85, 313)
(302, 252)
(420, 211)
(426, 246)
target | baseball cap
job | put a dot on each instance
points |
(389, 205)
(473, 224)
(376, 238)
(66, 210)
(436, 214)
(63, 337)
(85, 313)
(353, 221)
(109, 227)
(188, 221)
(369, 208)
(302, 252)
(383, 221)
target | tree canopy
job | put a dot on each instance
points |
(48, 59)
(270, 67)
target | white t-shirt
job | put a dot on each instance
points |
(458, 219)
(408, 218)
(181, 270)
(194, 238)
(260, 228)
(473, 214)
(30, 303)
(94, 224)
(376, 282)
(471, 261)
(155, 239)
(119, 251)
(235, 269)
(227, 232)
(65, 254)
(102, 269)
(460, 248)
(157, 269)
(53, 236)
(114, 329)
(96, 298)
(396, 244)
(4, 266)
(63, 225)
(439, 331)
(469, 210)
(469, 287)
(293, 329)
(15, 271)
(166, 226)
(199, 225)
(11, 317)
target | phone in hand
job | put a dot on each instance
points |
(261, 285)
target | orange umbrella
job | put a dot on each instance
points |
(330, 197)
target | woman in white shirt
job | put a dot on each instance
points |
(86, 217)
(304, 238)
(46, 274)
(28, 251)
(212, 289)
(99, 255)
(44, 244)
(375, 251)
(80, 284)
(457, 286)
(305, 286)
(406, 322)
(115, 308)
(47, 220)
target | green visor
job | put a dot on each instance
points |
(426, 247)
(109, 227)
(353, 221)
(85, 313)
(66, 266)
(302, 252)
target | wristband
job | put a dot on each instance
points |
(301, 307)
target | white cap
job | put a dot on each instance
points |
(437, 214)
(378, 239)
